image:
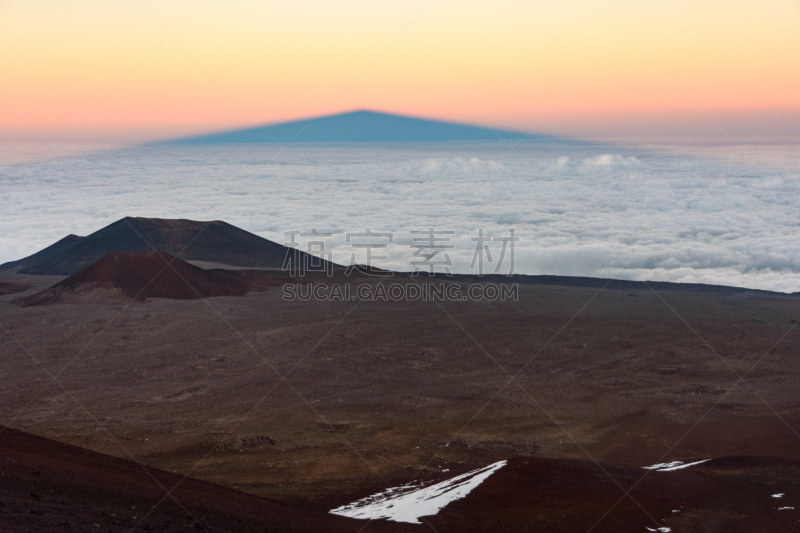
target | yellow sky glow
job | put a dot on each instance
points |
(102, 65)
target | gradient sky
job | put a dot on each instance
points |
(150, 69)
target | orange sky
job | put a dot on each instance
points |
(143, 69)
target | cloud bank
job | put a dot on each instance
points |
(719, 215)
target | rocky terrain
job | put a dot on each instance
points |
(579, 384)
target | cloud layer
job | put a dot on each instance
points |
(719, 215)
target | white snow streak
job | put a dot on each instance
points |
(674, 465)
(408, 503)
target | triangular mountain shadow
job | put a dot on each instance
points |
(362, 126)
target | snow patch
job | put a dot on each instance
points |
(674, 465)
(661, 529)
(786, 508)
(779, 495)
(408, 503)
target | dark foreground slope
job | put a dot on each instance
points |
(360, 126)
(142, 276)
(49, 486)
(189, 240)
(731, 494)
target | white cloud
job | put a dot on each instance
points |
(715, 215)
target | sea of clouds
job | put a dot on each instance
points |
(714, 214)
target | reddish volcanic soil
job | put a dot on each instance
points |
(48, 486)
(318, 403)
(7, 287)
(146, 275)
(556, 495)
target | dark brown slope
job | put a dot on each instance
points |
(8, 287)
(190, 240)
(731, 494)
(146, 275)
(49, 486)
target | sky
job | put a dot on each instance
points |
(148, 69)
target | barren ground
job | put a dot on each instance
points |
(319, 403)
